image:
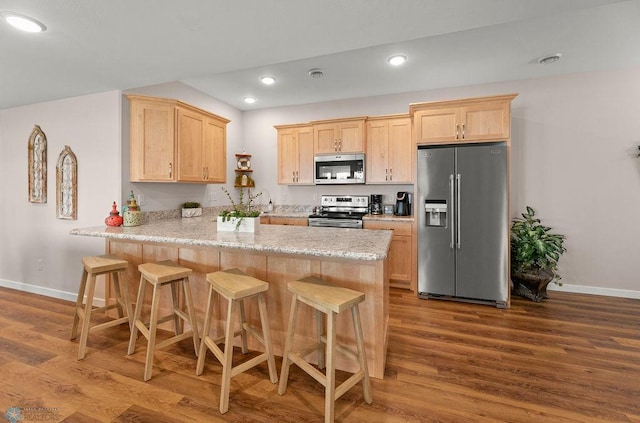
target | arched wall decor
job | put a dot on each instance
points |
(37, 166)
(67, 185)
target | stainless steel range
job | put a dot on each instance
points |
(341, 211)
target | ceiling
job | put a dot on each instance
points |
(222, 47)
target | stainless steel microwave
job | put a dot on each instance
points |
(339, 168)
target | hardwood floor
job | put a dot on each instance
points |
(573, 358)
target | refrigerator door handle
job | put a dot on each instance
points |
(453, 230)
(458, 183)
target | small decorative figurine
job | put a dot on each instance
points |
(133, 215)
(114, 218)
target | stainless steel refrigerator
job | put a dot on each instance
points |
(463, 223)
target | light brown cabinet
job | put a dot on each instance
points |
(295, 154)
(389, 150)
(171, 141)
(468, 120)
(400, 260)
(282, 220)
(339, 136)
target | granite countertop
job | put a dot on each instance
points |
(354, 244)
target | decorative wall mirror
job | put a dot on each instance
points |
(67, 185)
(37, 166)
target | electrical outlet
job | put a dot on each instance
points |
(141, 199)
(39, 264)
(213, 198)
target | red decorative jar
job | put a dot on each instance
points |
(114, 218)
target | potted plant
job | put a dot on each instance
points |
(241, 217)
(535, 252)
(191, 209)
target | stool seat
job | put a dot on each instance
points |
(324, 296)
(92, 267)
(236, 286)
(159, 274)
(327, 300)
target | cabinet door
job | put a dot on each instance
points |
(325, 138)
(437, 125)
(287, 156)
(351, 136)
(190, 146)
(400, 255)
(485, 122)
(305, 156)
(377, 170)
(152, 141)
(292, 221)
(215, 151)
(400, 151)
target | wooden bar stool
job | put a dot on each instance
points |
(158, 275)
(329, 300)
(236, 287)
(93, 267)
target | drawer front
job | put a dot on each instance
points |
(399, 228)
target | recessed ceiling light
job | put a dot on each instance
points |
(397, 59)
(249, 100)
(550, 59)
(316, 73)
(23, 22)
(268, 80)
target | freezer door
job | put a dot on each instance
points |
(482, 233)
(436, 257)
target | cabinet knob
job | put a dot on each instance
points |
(463, 131)
(457, 131)
(170, 170)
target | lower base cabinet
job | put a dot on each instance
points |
(280, 220)
(400, 251)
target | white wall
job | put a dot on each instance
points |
(574, 146)
(90, 125)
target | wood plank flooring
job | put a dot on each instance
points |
(573, 358)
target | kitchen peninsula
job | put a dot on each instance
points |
(352, 258)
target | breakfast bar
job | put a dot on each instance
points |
(277, 254)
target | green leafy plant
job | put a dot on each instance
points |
(240, 209)
(190, 205)
(534, 247)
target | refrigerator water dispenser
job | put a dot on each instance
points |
(436, 212)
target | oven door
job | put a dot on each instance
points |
(329, 222)
(339, 169)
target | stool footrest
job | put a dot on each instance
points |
(109, 324)
(348, 384)
(174, 339)
(312, 371)
(236, 370)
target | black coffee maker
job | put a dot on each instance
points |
(376, 204)
(403, 204)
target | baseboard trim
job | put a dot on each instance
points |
(47, 292)
(594, 290)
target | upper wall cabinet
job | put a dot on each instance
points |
(295, 154)
(469, 120)
(389, 149)
(339, 136)
(172, 141)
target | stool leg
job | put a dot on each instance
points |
(202, 352)
(79, 300)
(228, 356)
(288, 345)
(319, 333)
(192, 315)
(116, 286)
(177, 321)
(362, 358)
(153, 326)
(243, 321)
(330, 387)
(124, 298)
(136, 316)
(91, 287)
(266, 335)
